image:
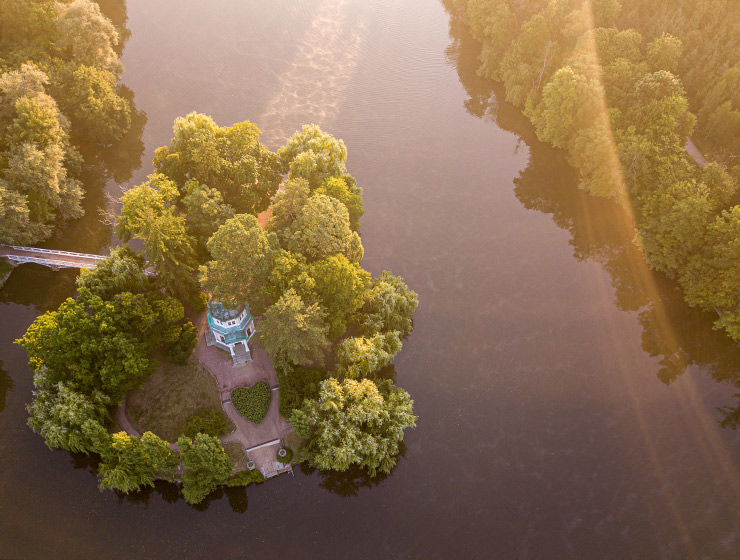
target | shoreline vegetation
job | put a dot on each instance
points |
(62, 109)
(614, 84)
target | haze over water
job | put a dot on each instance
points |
(544, 428)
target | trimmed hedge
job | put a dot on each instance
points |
(252, 402)
(245, 478)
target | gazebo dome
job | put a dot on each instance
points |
(230, 329)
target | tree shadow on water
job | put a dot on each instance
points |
(600, 231)
(6, 386)
(349, 483)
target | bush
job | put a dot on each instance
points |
(179, 351)
(296, 385)
(287, 457)
(252, 402)
(245, 478)
(207, 421)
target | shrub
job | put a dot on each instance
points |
(252, 402)
(287, 456)
(179, 351)
(298, 384)
(207, 421)
(245, 478)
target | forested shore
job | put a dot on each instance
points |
(59, 91)
(620, 87)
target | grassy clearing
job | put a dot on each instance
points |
(237, 455)
(170, 396)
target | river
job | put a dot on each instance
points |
(569, 403)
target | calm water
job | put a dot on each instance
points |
(542, 352)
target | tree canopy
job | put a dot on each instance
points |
(354, 423)
(242, 260)
(59, 71)
(229, 159)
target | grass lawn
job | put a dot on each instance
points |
(295, 442)
(236, 454)
(170, 396)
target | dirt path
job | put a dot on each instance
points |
(248, 435)
(259, 442)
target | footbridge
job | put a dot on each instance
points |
(49, 257)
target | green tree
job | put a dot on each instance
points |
(354, 423)
(122, 271)
(58, 413)
(313, 155)
(711, 280)
(286, 207)
(206, 211)
(242, 261)
(130, 462)
(340, 286)
(290, 270)
(659, 108)
(363, 356)
(570, 103)
(351, 197)
(206, 463)
(664, 53)
(86, 36)
(89, 98)
(94, 344)
(389, 306)
(149, 213)
(321, 228)
(229, 159)
(294, 332)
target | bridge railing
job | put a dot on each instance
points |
(55, 263)
(56, 252)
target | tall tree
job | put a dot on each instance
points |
(350, 196)
(294, 332)
(313, 155)
(149, 213)
(58, 413)
(363, 356)
(340, 286)
(206, 464)
(321, 228)
(389, 306)
(130, 462)
(354, 423)
(242, 261)
(229, 159)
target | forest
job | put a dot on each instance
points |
(621, 87)
(59, 90)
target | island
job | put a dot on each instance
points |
(242, 338)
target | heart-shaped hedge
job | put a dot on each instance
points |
(252, 402)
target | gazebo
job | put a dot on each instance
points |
(230, 329)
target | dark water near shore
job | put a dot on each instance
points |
(542, 348)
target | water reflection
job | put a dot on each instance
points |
(678, 336)
(349, 483)
(6, 386)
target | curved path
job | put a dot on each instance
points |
(259, 442)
